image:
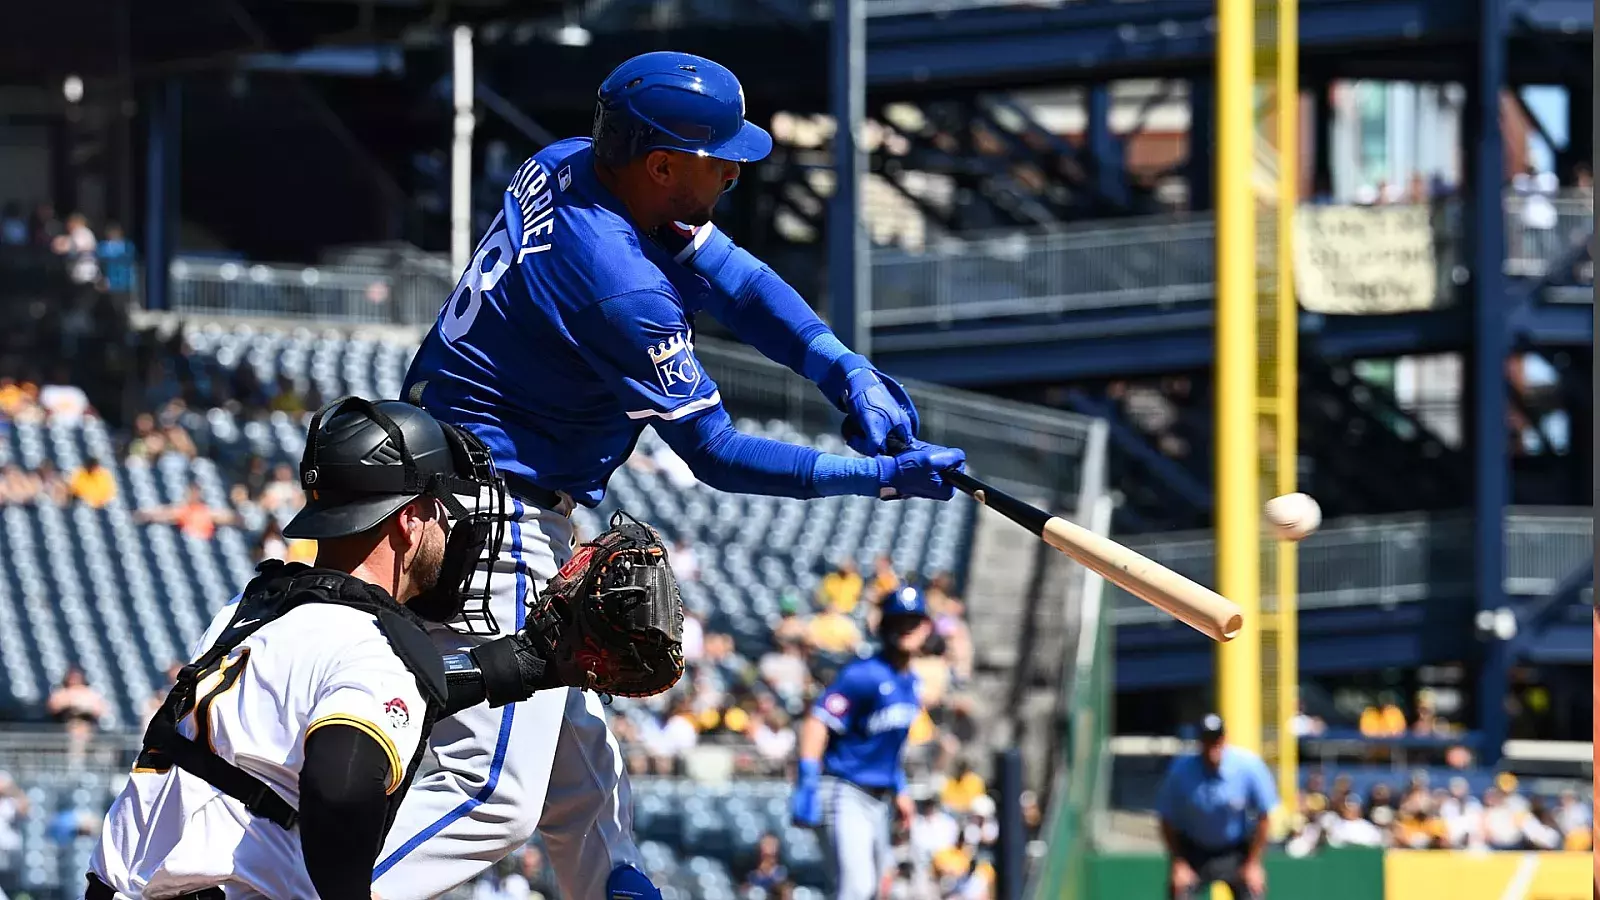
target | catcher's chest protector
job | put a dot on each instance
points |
(280, 588)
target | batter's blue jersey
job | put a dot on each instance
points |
(868, 709)
(568, 333)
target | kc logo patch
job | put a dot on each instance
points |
(399, 716)
(675, 367)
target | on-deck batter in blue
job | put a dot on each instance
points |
(569, 333)
(868, 709)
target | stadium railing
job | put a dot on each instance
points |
(1079, 790)
(1392, 559)
(336, 294)
(1144, 262)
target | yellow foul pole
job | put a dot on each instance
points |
(1237, 446)
(1288, 334)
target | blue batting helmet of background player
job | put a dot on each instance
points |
(905, 601)
(674, 101)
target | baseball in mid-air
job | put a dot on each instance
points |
(1293, 517)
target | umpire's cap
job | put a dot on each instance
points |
(674, 101)
(364, 461)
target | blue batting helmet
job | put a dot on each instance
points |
(674, 101)
(905, 601)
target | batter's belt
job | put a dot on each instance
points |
(99, 890)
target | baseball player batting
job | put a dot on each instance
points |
(850, 772)
(570, 331)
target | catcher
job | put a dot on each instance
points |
(278, 761)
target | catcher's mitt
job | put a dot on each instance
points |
(611, 620)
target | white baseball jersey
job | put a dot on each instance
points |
(169, 832)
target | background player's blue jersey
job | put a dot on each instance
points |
(568, 333)
(868, 709)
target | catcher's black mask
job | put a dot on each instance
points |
(364, 461)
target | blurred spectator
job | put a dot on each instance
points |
(1348, 829)
(676, 736)
(685, 565)
(77, 244)
(272, 545)
(287, 398)
(18, 486)
(693, 633)
(52, 488)
(786, 671)
(933, 829)
(255, 478)
(1539, 831)
(1502, 824)
(194, 517)
(770, 731)
(672, 466)
(1572, 815)
(63, 401)
(159, 695)
(46, 227)
(14, 808)
(1383, 721)
(13, 227)
(1305, 725)
(950, 624)
(832, 631)
(790, 627)
(80, 708)
(93, 484)
(116, 260)
(769, 871)
(884, 578)
(1427, 723)
(282, 496)
(177, 440)
(18, 399)
(533, 878)
(840, 589)
(147, 443)
(1380, 805)
(962, 788)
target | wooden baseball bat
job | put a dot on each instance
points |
(1190, 602)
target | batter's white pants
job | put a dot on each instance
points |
(549, 762)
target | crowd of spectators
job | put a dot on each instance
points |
(1421, 816)
(752, 705)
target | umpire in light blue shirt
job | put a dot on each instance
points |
(1214, 807)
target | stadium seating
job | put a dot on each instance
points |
(150, 590)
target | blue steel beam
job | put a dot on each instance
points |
(1490, 346)
(1118, 343)
(995, 43)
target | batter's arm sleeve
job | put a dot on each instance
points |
(765, 311)
(344, 805)
(640, 344)
(587, 824)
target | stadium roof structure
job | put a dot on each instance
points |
(44, 41)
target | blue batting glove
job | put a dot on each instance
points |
(918, 472)
(628, 883)
(805, 804)
(874, 405)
